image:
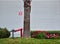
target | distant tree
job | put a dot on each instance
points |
(4, 33)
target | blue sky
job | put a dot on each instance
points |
(45, 14)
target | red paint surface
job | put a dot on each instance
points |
(20, 13)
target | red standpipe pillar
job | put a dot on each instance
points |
(21, 32)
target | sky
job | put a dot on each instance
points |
(45, 14)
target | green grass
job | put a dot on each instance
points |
(29, 41)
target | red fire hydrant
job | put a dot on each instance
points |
(21, 31)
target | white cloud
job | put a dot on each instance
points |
(10, 0)
(45, 29)
(44, 0)
(32, 0)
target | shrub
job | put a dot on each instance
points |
(4, 33)
(46, 34)
(54, 36)
(34, 33)
(40, 36)
(54, 32)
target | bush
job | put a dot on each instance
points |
(4, 33)
(54, 36)
(40, 36)
(34, 33)
(45, 34)
(54, 32)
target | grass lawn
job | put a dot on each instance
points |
(29, 41)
